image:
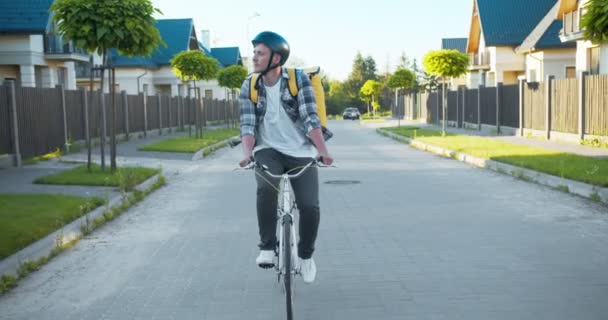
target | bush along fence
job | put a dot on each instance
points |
(568, 109)
(36, 121)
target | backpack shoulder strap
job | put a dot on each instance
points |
(293, 82)
(253, 87)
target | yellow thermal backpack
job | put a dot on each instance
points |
(314, 74)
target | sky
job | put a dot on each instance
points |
(330, 33)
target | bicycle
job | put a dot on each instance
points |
(288, 264)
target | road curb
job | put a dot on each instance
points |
(70, 232)
(202, 153)
(571, 186)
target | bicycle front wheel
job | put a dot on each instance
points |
(288, 275)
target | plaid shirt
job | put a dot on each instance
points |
(302, 109)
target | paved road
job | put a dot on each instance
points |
(421, 237)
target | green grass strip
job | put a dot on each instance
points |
(80, 176)
(566, 165)
(191, 144)
(26, 218)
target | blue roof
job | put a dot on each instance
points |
(227, 56)
(459, 44)
(204, 49)
(509, 22)
(550, 38)
(29, 17)
(174, 32)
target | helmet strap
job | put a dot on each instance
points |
(270, 66)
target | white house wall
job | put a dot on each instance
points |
(549, 62)
(505, 59)
(582, 58)
(534, 66)
(556, 61)
(23, 54)
(162, 78)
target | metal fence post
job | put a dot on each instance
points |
(548, 91)
(64, 115)
(145, 100)
(464, 107)
(160, 114)
(87, 134)
(582, 88)
(522, 88)
(125, 105)
(498, 98)
(437, 107)
(169, 107)
(103, 129)
(479, 107)
(15, 124)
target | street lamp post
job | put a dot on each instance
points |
(254, 15)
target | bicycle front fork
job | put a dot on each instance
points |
(287, 221)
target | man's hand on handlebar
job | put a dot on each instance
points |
(246, 161)
(326, 159)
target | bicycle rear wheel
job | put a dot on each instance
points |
(288, 275)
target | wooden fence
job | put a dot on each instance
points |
(549, 106)
(47, 118)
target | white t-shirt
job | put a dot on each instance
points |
(278, 131)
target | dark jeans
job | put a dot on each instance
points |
(306, 191)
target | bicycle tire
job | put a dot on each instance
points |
(288, 275)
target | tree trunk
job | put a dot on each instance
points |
(88, 134)
(102, 133)
(443, 108)
(112, 74)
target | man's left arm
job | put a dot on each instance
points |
(308, 113)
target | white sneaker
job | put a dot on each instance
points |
(308, 269)
(265, 259)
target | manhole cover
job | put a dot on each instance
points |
(342, 182)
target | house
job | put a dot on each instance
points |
(588, 55)
(155, 73)
(30, 51)
(459, 44)
(516, 39)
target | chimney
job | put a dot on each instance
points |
(205, 39)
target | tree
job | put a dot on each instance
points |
(416, 70)
(194, 65)
(336, 98)
(404, 61)
(232, 77)
(445, 64)
(369, 69)
(363, 69)
(401, 79)
(369, 91)
(98, 26)
(595, 21)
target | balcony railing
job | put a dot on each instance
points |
(479, 59)
(83, 70)
(572, 24)
(54, 44)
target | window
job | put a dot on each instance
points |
(594, 60)
(208, 94)
(570, 72)
(61, 77)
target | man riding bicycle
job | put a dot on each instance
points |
(282, 132)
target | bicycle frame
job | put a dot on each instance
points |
(286, 267)
(285, 217)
